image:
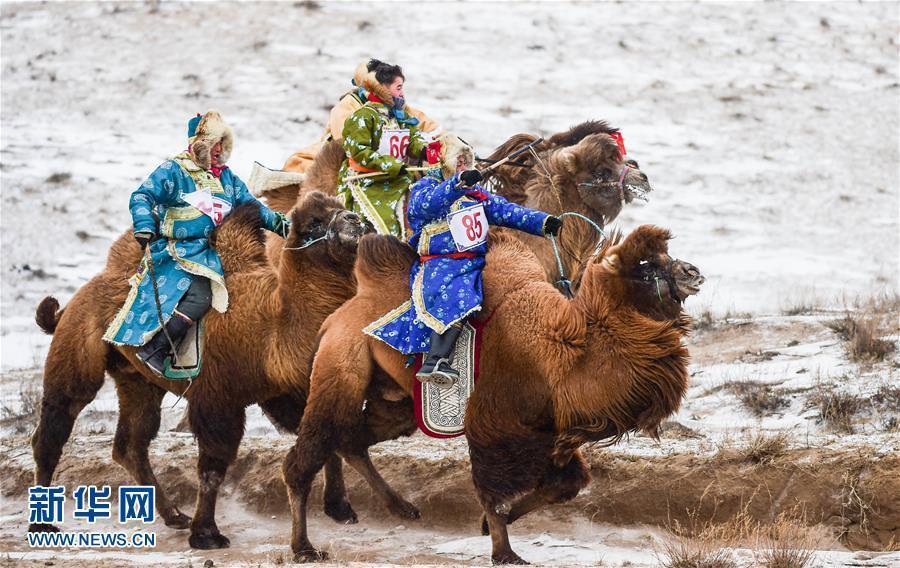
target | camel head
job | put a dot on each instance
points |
(638, 271)
(323, 230)
(593, 172)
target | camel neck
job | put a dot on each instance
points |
(305, 285)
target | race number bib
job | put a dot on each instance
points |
(213, 207)
(394, 143)
(469, 227)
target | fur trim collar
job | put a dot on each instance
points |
(451, 148)
(366, 79)
(212, 129)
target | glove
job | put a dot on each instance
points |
(282, 225)
(470, 177)
(432, 153)
(143, 238)
(552, 225)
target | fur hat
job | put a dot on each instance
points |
(204, 133)
(452, 146)
(365, 78)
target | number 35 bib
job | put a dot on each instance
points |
(394, 143)
(469, 227)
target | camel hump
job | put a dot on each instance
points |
(323, 173)
(240, 241)
(47, 315)
(381, 257)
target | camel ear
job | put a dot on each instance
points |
(612, 261)
(642, 244)
(569, 160)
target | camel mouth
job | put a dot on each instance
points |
(688, 280)
(636, 186)
(352, 230)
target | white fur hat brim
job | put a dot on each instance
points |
(211, 130)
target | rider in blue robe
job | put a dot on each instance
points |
(445, 281)
(174, 212)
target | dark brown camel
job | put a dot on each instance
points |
(555, 373)
(259, 351)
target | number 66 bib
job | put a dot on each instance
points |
(469, 227)
(394, 143)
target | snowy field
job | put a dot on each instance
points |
(769, 132)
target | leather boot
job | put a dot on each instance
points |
(155, 351)
(436, 368)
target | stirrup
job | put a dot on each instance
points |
(439, 377)
(148, 362)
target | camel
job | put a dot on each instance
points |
(555, 372)
(259, 351)
(579, 170)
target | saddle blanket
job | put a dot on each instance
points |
(188, 360)
(440, 413)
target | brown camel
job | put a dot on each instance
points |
(555, 373)
(259, 351)
(578, 170)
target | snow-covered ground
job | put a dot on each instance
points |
(769, 132)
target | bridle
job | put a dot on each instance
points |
(668, 279)
(597, 182)
(326, 235)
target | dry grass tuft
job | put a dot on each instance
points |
(687, 552)
(759, 398)
(837, 409)
(764, 447)
(704, 321)
(861, 334)
(784, 544)
(23, 415)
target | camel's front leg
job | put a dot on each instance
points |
(219, 432)
(559, 484)
(501, 551)
(314, 447)
(285, 412)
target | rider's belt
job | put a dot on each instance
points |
(427, 257)
(356, 166)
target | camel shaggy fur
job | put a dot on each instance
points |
(555, 373)
(259, 351)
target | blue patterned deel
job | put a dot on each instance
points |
(182, 249)
(445, 289)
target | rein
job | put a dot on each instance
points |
(564, 284)
(311, 241)
(148, 257)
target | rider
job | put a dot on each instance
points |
(381, 141)
(363, 82)
(449, 214)
(174, 212)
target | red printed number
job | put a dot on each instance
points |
(399, 146)
(474, 228)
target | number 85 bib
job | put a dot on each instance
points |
(469, 227)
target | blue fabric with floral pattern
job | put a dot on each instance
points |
(182, 249)
(445, 290)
